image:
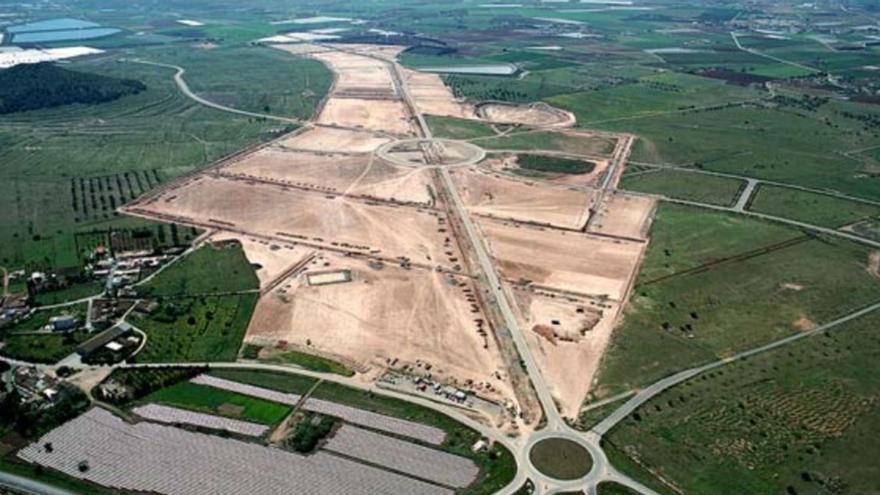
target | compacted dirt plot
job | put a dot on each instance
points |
(490, 194)
(566, 334)
(150, 458)
(433, 97)
(357, 175)
(313, 217)
(624, 215)
(389, 116)
(358, 74)
(568, 261)
(386, 314)
(334, 140)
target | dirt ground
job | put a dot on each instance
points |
(273, 257)
(624, 215)
(567, 261)
(323, 199)
(389, 116)
(357, 175)
(384, 315)
(569, 364)
(386, 230)
(330, 139)
(433, 97)
(357, 73)
(487, 193)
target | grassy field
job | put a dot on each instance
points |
(188, 395)
(816, 209)
(73, 292)
(553, 164)
(798, 419)
(451, 128)
(254, 78)
(204, 328)
(66, 170)
(693, 316)
(689, 186)
(42, 348)
(611, 488)
(210, 269)
(685, 237)
(561, 459)
(796, 141)
(652, 94)
(283, 382)
(312, 362)
(550, 141)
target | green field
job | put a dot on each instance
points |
(312, 362)
(690, 186)
(73, 292)
(210, 269)
(549, 141)
(254, 78)
(684, 238)
(791, 142)
(799, 419)
(694, 316)
(816, 209)
(451, 128)
(283, 382)
(67, 169)
(203, 328)
(561, 459)
(188, 395)
(653, 94)
(553, 164)
(42, 348)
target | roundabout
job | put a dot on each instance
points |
(560, 458)
(431, 152)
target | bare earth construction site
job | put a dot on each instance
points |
(366, 258)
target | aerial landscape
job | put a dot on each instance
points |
(466, 247)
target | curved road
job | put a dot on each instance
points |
(184, 88)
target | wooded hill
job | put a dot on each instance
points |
(45, 85)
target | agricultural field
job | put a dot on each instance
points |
(188, 395)
(794, 420)
(690, 186)
(693, 316)
(812, 208)
(67, 169)
(42, 348)
(446, 127)
(197, 328)
(789, 141)
(210, 269)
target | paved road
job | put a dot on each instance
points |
(650, 391)
(745, 196)
(30, 486)
(184, 88)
